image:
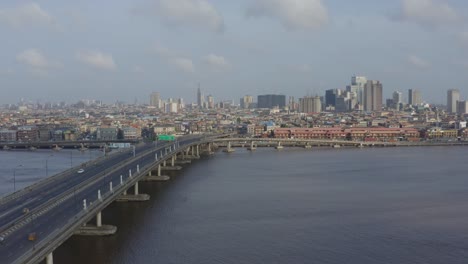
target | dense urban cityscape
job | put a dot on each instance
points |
(354, 113)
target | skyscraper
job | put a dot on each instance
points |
(453, 95)
(373, 96)
(210, 100)
(397, 99)
(310, 104)
(271, 100)
(246, 101)
(199, 98)
(414, 97)
(357, 87)
(155, 100)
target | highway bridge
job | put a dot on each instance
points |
(62, 144)
(36, 220)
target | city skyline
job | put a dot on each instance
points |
(59, 52)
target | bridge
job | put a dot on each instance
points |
(62, 144)
(36, 220)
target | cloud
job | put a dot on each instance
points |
(176, 13)
(216, 62)
(428, 13)
(183, 64)
(30, 14)
(418, 62)
(97, 59)
(36, 61)
(293, 14)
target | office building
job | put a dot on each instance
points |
(462, 107)
(373, 96)
(271, 101)
(414, 97)
(200, 101)
(310, 104)
(155, 100)
(246, 102)
(453, 96)
(397, 100)
(357, 86)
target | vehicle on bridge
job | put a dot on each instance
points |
(80, 171)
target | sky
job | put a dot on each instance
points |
(54, 50)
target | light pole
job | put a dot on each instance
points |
(14, 177)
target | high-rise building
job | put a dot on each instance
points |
(246, 102)
(155, 100)
(330, 97)
(292, 103)
(310, 104)
(397, 100)
(210, 101)
(453, 95)
(373, 96)
(462, 107)
(357, 86)
(200, 100)
(271, 101)
(414, 97)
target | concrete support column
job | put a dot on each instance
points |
(164, 163)
(125, 192)
(149, 173)
(172, 161)
(50, 258)
(159, 170)
(98, 219)
(136, 188)
(198, 150)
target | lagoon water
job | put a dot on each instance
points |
(371, 205)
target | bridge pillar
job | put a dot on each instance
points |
(50, 258)
(98, 219)
(198, 151)
(159, 170)
(172, 161)
(136, 188)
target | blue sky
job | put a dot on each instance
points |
(56, 50)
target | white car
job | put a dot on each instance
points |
(80, 171)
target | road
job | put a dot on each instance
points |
(52, 205)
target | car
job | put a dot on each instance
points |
(80, 171)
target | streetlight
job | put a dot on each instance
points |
(14, 177)
(46, 165)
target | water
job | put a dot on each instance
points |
(381, 205)
(23, 168)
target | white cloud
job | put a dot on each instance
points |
(36, 61)
(418, 62)
(30, 14)
(97, 59)
(183, 64)
(429, 13)
(199, 13)
(293, 14)
(217, 62)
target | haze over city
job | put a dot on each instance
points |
(122, 50)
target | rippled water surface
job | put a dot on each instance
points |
(380, 205)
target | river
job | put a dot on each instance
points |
(371, 205)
